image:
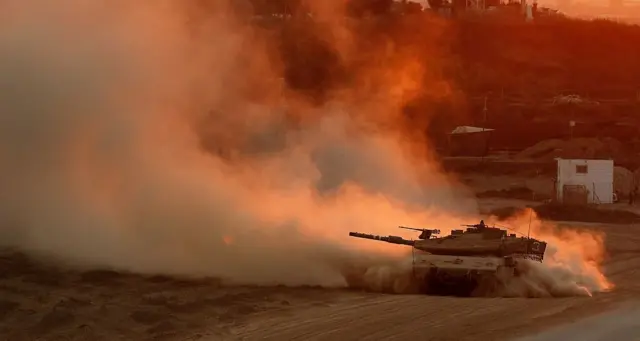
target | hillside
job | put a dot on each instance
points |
(522, 67)
(518, 66)
(598, 58)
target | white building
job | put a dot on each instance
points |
(585, 181)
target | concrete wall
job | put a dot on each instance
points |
(598, 178)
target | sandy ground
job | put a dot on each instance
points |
(618, 325)
(39, 302)
(42, 303)
(445, 318)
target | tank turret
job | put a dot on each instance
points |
(425, 233)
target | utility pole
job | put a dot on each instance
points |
(484, 111)
(571, 125)
(484, 124)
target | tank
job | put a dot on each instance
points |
(474, 261)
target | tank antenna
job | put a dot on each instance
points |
(529, 230)
(413, 262)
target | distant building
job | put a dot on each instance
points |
(469, 141)
(581, 182)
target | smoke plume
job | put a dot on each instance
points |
(170, 138)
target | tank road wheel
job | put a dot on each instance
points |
(431, 285)
(487, 285)
(465, 288)
(436, 287)
(440, 285)
(494, 284)
(428, 283)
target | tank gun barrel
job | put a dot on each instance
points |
(388, 239)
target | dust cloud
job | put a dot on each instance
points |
(163, 138)
(572, 264)
(106, 162)
(571, 267)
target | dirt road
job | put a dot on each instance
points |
(40, 302)
(432, 318)
(618, 325)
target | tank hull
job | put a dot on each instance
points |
(461, 275)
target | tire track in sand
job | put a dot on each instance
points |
(421, 317)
